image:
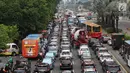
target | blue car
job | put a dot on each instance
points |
(49, 61)
(54, 51)
(50, 55)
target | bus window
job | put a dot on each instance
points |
(89, 28)
(96, 29)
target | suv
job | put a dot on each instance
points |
(42, 67)
(66, 64)
(111, 67)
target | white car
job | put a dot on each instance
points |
(82, 49)
(105, 38)
(65, 44)
(65, 53)
(100, 51)
(106, 57)
(90, 70)
(109, 42)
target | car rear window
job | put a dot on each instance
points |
(19, 71)
(113, 68)
(64, 53)
(66, 61)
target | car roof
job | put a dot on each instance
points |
(102, 48)
(89, 69)
(128, 42)
(49, 54)
(84, 46)
(11, 44)
(111, 63)
(47, 60)
(65, 50)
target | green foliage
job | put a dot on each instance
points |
(30, 16)
(110, 30)
(127, 37)
(7, 34)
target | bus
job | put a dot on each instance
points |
(31, 45)
(125, 51)
(94, 30)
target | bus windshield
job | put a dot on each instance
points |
(96, 29)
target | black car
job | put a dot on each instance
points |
(111, 67)
(42, 68)
(66, 64)
(22, 65)
(67, 71)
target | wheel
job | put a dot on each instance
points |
(14, 54)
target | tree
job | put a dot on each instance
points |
(7, 35)
(30, 16)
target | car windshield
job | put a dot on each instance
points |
(90, 72)
(89, 66)
(52, 49)
(113, 68)
(83, 49)
(106, 56)
(64, 53)
(103, 50)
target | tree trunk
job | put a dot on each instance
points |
(117, 24)
(102, 20)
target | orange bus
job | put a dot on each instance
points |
(94, 30)
(31, 46)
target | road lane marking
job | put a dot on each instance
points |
(118, 62)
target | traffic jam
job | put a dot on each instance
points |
(60, 42)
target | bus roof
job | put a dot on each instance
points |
(128, 42)
(33, 36)
(91, 24)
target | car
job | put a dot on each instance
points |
(67, 71)
(86, 62)
(109, 42)
(22, 65)
(54, 50)
(82, 49)
(89, 70)
(54, 40)
(100, 51)
(65, 44)
(42, 67)
(50, 55)
(66, 63)
(105, 38)
(49, 61)
(105, 57)
(86, 55)
(65, 53)
(111, 67)
(95, 45)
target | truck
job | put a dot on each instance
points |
(117, 40)
(12, 49)
(80, 37)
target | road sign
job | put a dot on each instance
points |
(122, 7)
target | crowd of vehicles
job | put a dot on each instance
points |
(59, 42)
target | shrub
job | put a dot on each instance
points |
(127, 37)
(110, 30)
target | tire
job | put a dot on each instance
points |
(14, 54)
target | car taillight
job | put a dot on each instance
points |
(119, 72)
(108, 72)
(60, 64)
(48, 69)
